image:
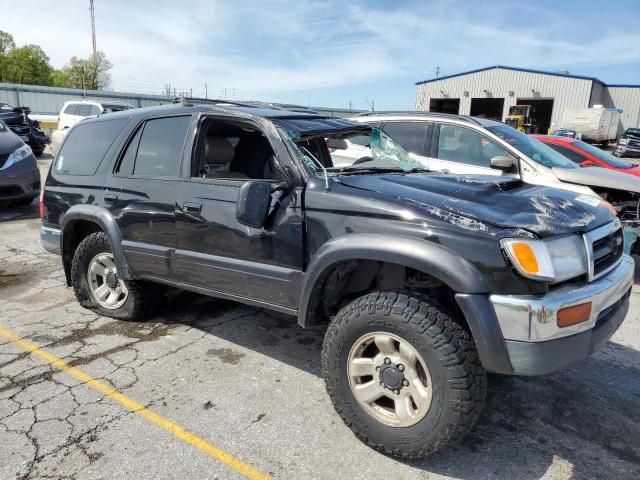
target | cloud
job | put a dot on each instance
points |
(292, 47)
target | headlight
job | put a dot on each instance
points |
(19, 154)
(553, 260)
(623, 141)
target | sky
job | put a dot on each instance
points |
(329, 52)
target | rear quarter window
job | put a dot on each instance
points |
(86, 145)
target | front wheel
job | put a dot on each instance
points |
(402, 374)
(98, 286)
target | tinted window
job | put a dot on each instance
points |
(600, 154)
(567, 152)
(71, 109)
(126, 164)
(160, 148)
(410, 136)
(84, 110)
(463, 145)
(85, 146)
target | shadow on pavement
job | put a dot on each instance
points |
(12, 211)
(587, 417)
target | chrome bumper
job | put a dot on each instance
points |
(529, 318)
(50, 239)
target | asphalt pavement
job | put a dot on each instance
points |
(210, 387)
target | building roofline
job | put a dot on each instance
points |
(517, 69)
(622, 85)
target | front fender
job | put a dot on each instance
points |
(103, 218)
(428, 257)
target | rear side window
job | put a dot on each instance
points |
(72, 109)
(95, 110)
(86, 145)
(160, 149)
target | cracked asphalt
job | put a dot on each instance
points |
(248, 381)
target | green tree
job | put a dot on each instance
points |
(59, 78)
(90, 73)
(28, 65)
(6, 45)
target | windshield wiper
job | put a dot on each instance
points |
(352, 169)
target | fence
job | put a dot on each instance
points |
(49, 100)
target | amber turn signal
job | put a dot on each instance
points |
(573, 315)
(526, 257)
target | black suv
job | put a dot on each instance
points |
(426, 280)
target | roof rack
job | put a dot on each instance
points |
(421, 114)
(189, 101)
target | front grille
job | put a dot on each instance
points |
(3, 159)
(605, 248)
(634, 143)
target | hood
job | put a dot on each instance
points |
(478, 201)
(12, 118)
(599, 177)
(9, 142)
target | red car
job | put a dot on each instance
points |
(587, 155)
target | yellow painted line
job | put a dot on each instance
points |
(171, 427)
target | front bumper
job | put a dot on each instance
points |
(536, 345)
(627, 151)
(20, 180)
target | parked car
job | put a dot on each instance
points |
(629, 144)
(29, 131)
(586, 155)
(19, 174)
(426, 280)
(563, 132)
(463, 145)
(75, 110)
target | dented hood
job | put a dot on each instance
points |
(477, 202)
(599, 177)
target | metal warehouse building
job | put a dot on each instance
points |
(491, 91)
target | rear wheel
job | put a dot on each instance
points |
(98, 287)
(402, 374)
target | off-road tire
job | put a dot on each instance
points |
(144, 298)
(459, 381)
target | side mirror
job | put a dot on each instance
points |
(502, 162)
(337, 143)
(254, 200)
(588, 163)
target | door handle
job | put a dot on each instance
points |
(192, 207)
(110, 197)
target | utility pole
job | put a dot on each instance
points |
(372, 105)
(205, 90)
(437, 71)
(93, 27)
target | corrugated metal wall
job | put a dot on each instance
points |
(511, 85)
(49, 100)
(628, 99)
